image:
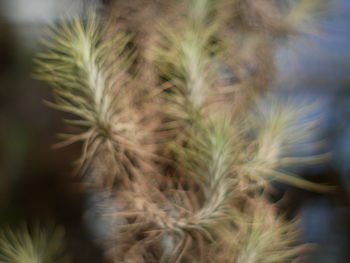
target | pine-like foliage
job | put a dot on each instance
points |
(32, 245)
(89, 72)
(189, 148)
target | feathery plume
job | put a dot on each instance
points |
(91, 80)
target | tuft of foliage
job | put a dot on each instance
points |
(90, 76)
(188, 149)
(32, 245)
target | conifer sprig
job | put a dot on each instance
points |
(284, 129)
(184, 56)
(32, 245)
(263, 236)
(77, 63)
(208, 200)
(89, 73)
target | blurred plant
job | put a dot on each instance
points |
(188, 148)
(94, 84)
(32, 245)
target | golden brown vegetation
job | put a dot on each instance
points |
(168, 105)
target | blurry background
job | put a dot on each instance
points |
(37, 184)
